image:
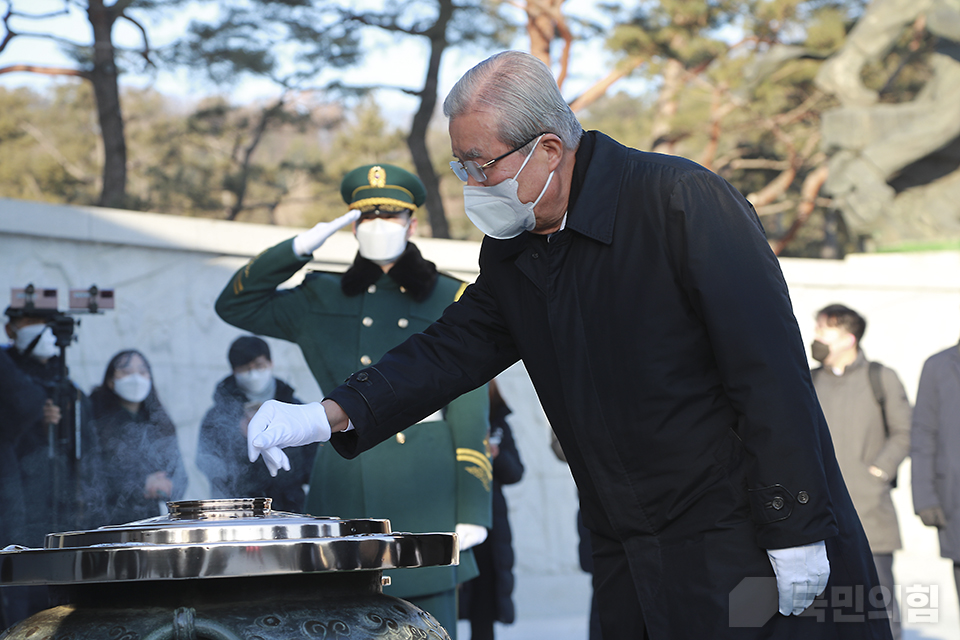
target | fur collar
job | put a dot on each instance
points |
(411, 271)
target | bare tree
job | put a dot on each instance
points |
(327, 37)
(97, 62)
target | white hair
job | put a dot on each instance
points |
(524, 94)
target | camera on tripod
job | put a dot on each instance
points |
(42, 302)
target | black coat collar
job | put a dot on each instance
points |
(597, 177)
(411, 271)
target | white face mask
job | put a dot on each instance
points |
(46, 346)
(255, 381)
(497, 210)
(132, 388)
(382, 241)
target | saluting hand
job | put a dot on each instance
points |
(310, 240)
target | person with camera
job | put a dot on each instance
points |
(54, 452)
(55, 469)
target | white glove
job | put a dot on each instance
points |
(802, 574)
(470, 535)
(277, 425)
(310, 240)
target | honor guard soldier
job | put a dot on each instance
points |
(433, 476)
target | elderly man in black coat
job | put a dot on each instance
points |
(655, 324)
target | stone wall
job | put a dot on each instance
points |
(166, 272)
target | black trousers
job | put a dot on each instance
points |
(614, 593)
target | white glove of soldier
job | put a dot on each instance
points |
(802, 574)
(470, 535)
(310, 240)
(277, 425)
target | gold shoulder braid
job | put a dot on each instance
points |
(481, 467)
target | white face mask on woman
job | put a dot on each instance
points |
(497, 210)
(382, 241)
(46, 346)
(134, 387)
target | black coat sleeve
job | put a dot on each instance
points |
(468, 346)
(736, 286)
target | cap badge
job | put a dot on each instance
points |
(377, 177)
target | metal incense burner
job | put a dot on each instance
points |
(227, 570)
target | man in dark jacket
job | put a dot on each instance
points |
(55, 474)
(656, 326)
(222, 446)
(935, 441)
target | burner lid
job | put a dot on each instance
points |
(237, 537)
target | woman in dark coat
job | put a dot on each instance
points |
(138, 439)
(489, 597)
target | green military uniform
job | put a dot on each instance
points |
(430, 477)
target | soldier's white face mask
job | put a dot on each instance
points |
(46, 346)
(134, 387)
(497, 210)
(382, 241)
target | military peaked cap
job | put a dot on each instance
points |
(382, 186)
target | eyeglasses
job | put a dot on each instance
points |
(470, 169)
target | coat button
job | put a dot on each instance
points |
(401, 438)
(803, 497)
(372, 288)
(363, 376)
(367, 321)
(403, 323)
(535, 256)
(777, 503)
(365, 361)
(403, 289)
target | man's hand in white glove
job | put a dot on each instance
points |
(802, 574)
(470, 535)
(277, 425)
(310, 240)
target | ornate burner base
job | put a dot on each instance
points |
(367, 616)
(228, 569)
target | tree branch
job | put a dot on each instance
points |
(50, 71)
(593, 93)
(145, 52)
(808, 199)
